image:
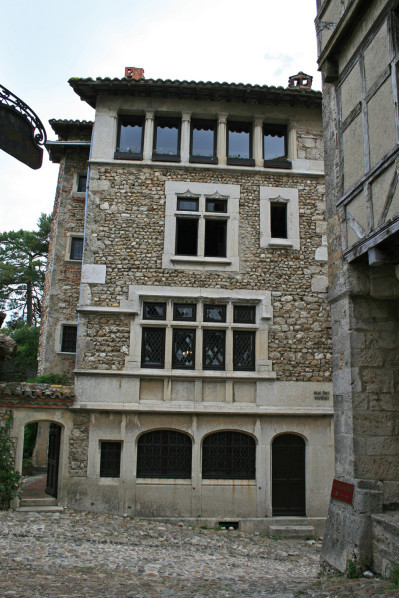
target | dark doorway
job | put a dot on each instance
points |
(288, 475)
(53, 459)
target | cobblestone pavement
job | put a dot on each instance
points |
(80, 554)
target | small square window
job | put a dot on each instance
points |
(216, 205)
(110, 462)
(186, 236)
(184, 311)
(214, 348)
(278, 220)
(68, 341)
(214, 313)
(130, 138)
(244, 314)
(166, 139)
(243, 350)
(239, 144)
(203, 141)
(154, 311)
(153, 348)
(82, 182)
(183, 349)
(189, 204)
(76, 252)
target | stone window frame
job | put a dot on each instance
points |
(203, 191)
(77, 175)
(59, 336)
(289, 196)
(260, 299)
(70, 236)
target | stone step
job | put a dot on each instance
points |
(49, 509)
(38, 502)
(292, 531)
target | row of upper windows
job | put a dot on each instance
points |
(203, 141)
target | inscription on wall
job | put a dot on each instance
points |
(321, 395)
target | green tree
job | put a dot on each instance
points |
(23, 260)
(23, 364)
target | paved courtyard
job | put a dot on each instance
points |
(82, 554)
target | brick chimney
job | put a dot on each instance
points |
(134, 72)
(301, 80)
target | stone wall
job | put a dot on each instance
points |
(78, 445)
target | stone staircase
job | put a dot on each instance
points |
(291, 527)
(39, 504)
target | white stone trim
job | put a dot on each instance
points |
(291, 197)
(93, 273)
(174, 189)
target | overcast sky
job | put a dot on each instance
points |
(44, 43)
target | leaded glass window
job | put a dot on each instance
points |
(154, 311)
(244, 314)
(228, 455)
(76, 252)
(214, 313)
(153, 348)
(184, 311)
(183, 349)
(68, 342)
(214, 348)
(164, 454)
(110, 462)
(244, 350)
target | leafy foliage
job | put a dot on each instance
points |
(30, 433)
(23, 259)
(24, 362)
(50, 379)
(10, 479)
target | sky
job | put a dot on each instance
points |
(44, 43)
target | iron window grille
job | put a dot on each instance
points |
(243, 350)
(68, 342)
(214, 349)
(203, 141)
(130, 138)
(184, 311)
(82, 182)
(229, 456)
(167, 140)
(214, 313)
(244, 314)
(154, 311)
(164, 454)
(110, 462)
(183, 349)
(239, 144)
(153, 348)
(275, 146)
(76, 252)
(278, 220)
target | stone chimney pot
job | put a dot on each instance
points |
(300, 80)
(134, 72)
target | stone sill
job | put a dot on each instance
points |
(225, 376)
(206, 261)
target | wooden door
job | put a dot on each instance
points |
(53, 459)
(288, 475)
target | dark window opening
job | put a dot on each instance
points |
(164, 454)
(189, 204)
(153, 348)
(166, 139)
(216, 205)
(68, 342)
(186, 236)
(278, 220)
(82, 181)
(275, 146)
(154, 311)
(183, 349)
(110, 462)
(244, 314)
(184, 311)
(214, 313)
(214, 342)
(203, 141)
(130, 137)
(229, 456)
(215, 238)
(76, 249)
(239, 144)
(243, 350)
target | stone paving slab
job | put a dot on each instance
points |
(80, 554)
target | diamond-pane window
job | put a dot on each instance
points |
(184, 311)
(244, 314)
(153, 348)
(214, 349)
(228, 455)
(68, 342)
(243, 350)
(164, 454)
(214, 313)
(110, 463)
(76, 252)
(154, 311)
(183, 351)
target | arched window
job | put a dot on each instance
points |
(229, 456)
(164, 454)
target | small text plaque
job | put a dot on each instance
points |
(321, 395)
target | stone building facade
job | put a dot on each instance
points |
(358, 55)
(186, 296)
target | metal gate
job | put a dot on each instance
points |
(288, 475)
(53, 459)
